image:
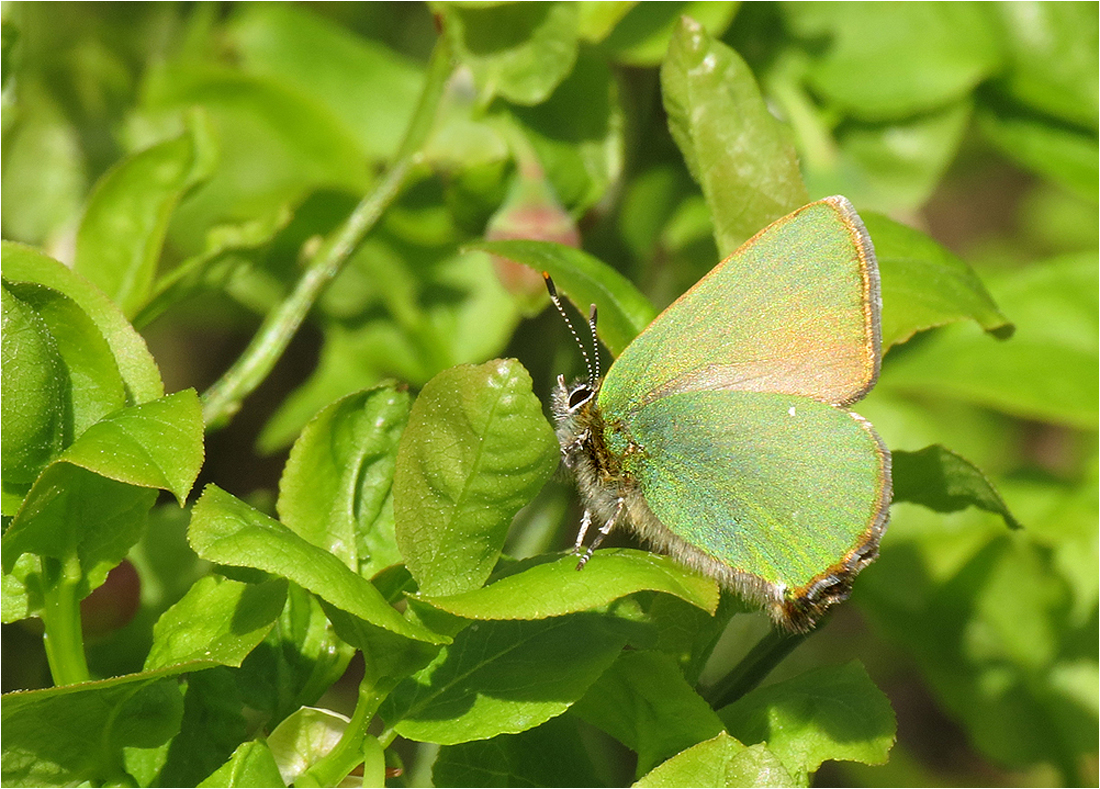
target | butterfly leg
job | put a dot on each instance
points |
(586, 521)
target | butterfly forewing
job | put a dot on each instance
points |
(795, 310)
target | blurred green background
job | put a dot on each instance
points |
(975, 122)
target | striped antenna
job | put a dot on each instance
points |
(593, 370)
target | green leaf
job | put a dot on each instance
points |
(119, 241)
(895, 166)
(250, 765)
(641, 37)
(303, 739)
(949, 48)
(387, 657)
(299, 660)
(833, 712)
(370, 88)
(153, 445)
(213, 726)
(720, 762)
(941, 480)
(89, 374)
(734, 147)
(502, 678)
(340, 472)
(218, 621)
(1052, 58)
(1066, 155)
(73, 734)
(34, 405)
(556, 588)
(519, 51)
(74, 517)
(477, 448)
(623, 311)
(136, 365)
(226, 530)
(552, 754)
(1047, 371)
(924, 285)
(645, 703)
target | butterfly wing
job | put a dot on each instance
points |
(794, 310)
(781, 487)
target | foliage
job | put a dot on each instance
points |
(379, 175)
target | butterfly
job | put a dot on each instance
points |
(722, 434)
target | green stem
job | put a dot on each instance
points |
(64, 638)
(348, 752)
(768, 653)
(222, 400)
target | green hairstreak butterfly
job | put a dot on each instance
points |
(721, 435)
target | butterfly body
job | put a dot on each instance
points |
(721, 435)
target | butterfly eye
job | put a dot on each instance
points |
(579, 396)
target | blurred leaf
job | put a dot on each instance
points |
(251, 765)
(895, 166)
(1052, 58)
(552, 754)
(556, 588)
(941, 480)
(502, 678)
(734, 147)
(531, 211)
(720, 762)
(423, 311)
(1047, 371)
(73, 734)
(833, 712)
(122, 232)
(577, 133)
(1064, 154)
(139, 372)
(229, 250)
(275, 146)
(369, 87)
(477, 448)
(623, 311)
(992, 637)
(218, 621)
(949, 48)
(645, 703)
(340, 472)
(519, 51)
(924, 285)
(224, 529)
(43, 176)
(598, 18)
(641, 38)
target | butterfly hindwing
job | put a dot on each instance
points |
(777, 486)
